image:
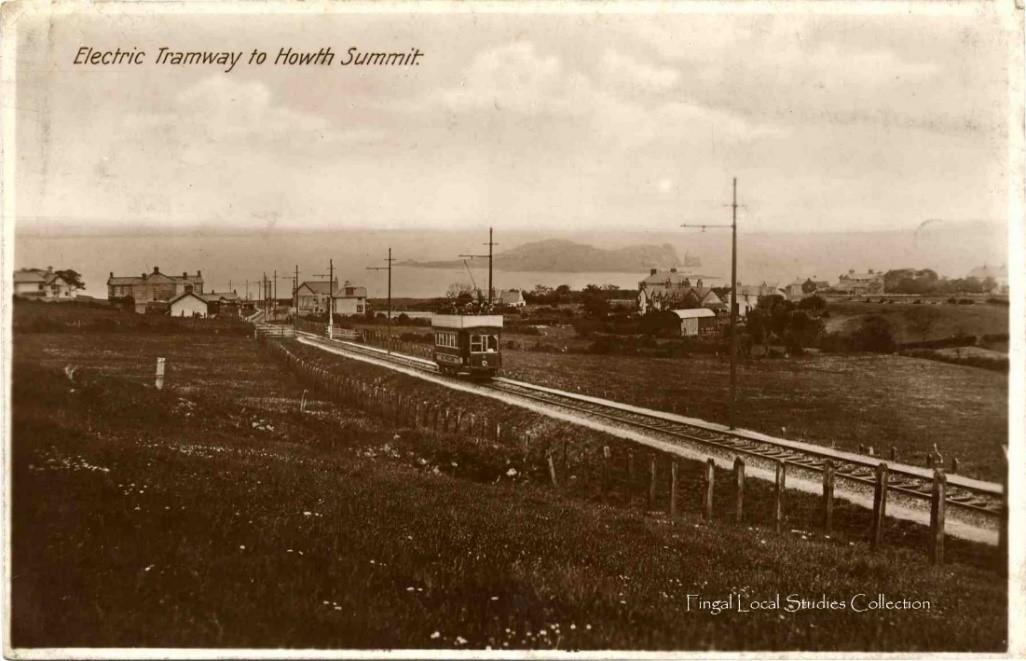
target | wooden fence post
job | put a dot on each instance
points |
(651, 481)
(673, 489)
(937, 517)
(160, 374)
(630, 477)
(710, 479)
(778, 496)
(1003, 520)
(739, 485)
(879, 505)
(552, 470)
(828, 496)
(605, 470)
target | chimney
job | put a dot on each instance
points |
(673, 270)
(112, 274)
(650, 271)
(185, 274)
(49, 269)
(199, 274)
(699, 283)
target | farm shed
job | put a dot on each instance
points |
(697, 321)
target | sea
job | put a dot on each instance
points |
(238, 260)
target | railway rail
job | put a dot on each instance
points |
(982, 502)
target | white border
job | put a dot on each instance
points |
(1011, 17)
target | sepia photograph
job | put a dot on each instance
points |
(494, 330)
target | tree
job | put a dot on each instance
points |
(72, 277)
(595, 301)
(874, 335)
(803, 330)
(815, 303)
(921, 320)
(457, 289)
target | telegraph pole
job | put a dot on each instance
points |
(274, 295)
(491, 244)
(295, 299)
(732, 415)
(388, 268)
(331, 296)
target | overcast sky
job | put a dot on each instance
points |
(553, 121)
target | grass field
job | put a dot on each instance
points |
(213, 513)
(834, 400)
(978, 319)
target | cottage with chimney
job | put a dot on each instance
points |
(40, 285)
(151, 291)
(860, 284)
(671, 290)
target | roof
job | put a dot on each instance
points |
(861, 276)
(358, 292)
(511, 296)
(318, 286)
(694, 314)
(466, 321)
(674, 277)
(218, 295)
(985, 271)
(115, 280)
(199, 298)
(32, 275)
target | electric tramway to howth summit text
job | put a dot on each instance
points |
(227, 60)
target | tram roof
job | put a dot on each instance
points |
(461, 321)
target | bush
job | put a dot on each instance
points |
(874, 335)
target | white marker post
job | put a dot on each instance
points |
(160, 374)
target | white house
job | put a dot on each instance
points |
(513, 298)
(312, 296)
(42, 285)
(350, 299)
(188, 305)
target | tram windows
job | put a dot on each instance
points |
(493, 343)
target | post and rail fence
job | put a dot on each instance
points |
(438, 417)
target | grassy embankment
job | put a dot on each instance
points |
(214, 513)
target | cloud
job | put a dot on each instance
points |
(220, 109)
(626, 102)
(631, 74)
(513, 78)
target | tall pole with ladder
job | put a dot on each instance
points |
(732, 401)
(733, 308)
(388, 320)
(491, 244)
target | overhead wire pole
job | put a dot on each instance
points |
(388, 320)
(295, 299)
(331, 297)
(491, 244)
(732, 414)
